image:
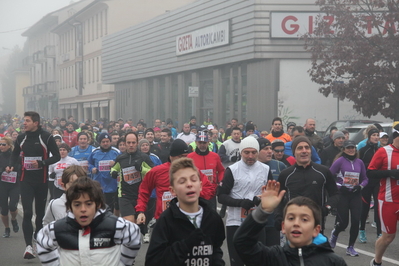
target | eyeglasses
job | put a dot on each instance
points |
(3, 144)
(278, 151)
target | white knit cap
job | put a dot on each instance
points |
(249, 142)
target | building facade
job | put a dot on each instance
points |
(42, 93)
(82, 93)
(218, 60)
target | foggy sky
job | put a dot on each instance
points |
(22, 14)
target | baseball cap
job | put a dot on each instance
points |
(349, 143)
(202, 136)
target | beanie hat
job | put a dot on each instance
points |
(372, 131)
(178, 147)
(249, 142)
(395, 132)
(142, 141)
(148, 130)
(291, 124)
(157, 129)
(263, 143)
(300, 139)
(277, 143)
(103, 136)
(338, 134)
(249, 127)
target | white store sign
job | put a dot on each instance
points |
(205, 38)
(297, 24)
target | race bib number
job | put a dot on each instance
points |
(10, 177)
(58, 181)
(105, 166)
(166, 198)
(351, 179)
(131, 175)
(209, 174)
(245, 213)
(85, 165)
(28, 163)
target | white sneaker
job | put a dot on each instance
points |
(146, 238)
(29, 254)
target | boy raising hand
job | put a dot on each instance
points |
(301, 225)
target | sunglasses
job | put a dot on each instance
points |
(279, 150)
(3, 144)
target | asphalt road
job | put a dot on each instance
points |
(12, 249)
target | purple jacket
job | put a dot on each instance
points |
(342, 165)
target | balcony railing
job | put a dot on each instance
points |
(27, 61)
(38, 57)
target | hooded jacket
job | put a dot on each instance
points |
(253, 253)
(168, 244)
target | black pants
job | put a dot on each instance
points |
(348, 202)
(372, 188)
(110, 199)
(38, 193)
(9, 197)
(235, 260)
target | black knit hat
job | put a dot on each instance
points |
(263, 143)
(277, 143)
(178, 147)
(298, 140)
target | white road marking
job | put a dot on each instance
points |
(369, 254)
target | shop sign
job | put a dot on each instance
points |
(297, 24)
(205, 38)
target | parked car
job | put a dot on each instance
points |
(344, 124)
(356, 133)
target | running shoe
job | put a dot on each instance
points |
(362, 236)
(7, 233)
(146, 238)
(380, 235)
(15, 226)
(29, 254)
(351, 251)
(333, 239)
(372, 263)
(373, 224)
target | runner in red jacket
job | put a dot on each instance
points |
(207, 162)
(158, 178)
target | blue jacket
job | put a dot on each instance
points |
(98, 159)
(315, 157)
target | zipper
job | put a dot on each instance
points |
(301, 262)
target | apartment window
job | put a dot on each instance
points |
(105, 21)
(92, 28)
(88, 30)
(98, 68)
(84, 70)
(97, 26)
(92, 69)
(101, 24)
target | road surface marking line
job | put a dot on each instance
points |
(369, 254)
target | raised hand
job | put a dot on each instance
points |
(271, 196)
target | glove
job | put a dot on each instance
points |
(356, 189)
(195, 238)
(137, 165)
(52, 175)
(114, 174)
(395, 173)
(247, 204)
(256, 201)
(344, 189)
